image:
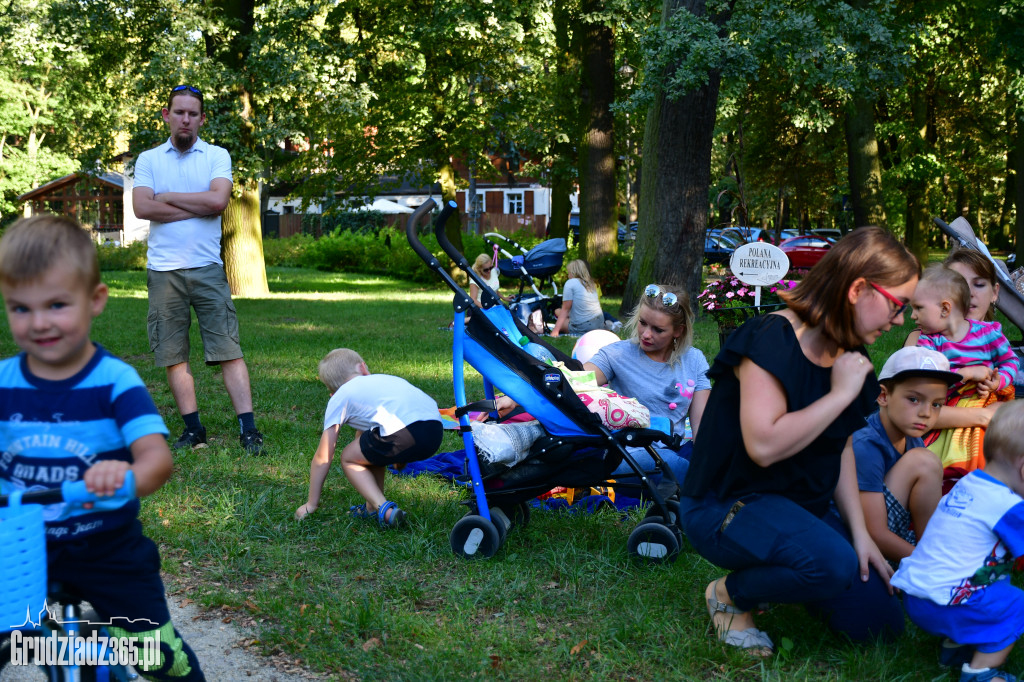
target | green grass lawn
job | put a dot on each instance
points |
(560, 600)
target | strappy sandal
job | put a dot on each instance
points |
(753, 641)
(360, 512)
(396, 519)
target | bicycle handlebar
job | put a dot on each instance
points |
(72, 492)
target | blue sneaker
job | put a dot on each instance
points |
(988, 675)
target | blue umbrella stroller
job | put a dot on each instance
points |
(576, 450)
(535, 269)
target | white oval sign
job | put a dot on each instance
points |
(759, 264)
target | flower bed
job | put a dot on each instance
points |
(731, 302)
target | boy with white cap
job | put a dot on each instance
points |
(900, 480)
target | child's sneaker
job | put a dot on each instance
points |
(987, 675)
(252, 442)
(191, 439)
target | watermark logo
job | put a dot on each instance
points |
(67, 647)
(95, 649)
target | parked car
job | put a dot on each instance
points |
(830, 232)
(718, 249)
(747, 235)
(731, 239)
(805, 251)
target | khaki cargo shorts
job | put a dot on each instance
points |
(172, 295)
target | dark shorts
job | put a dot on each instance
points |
(172, 295)
(416, 442)
(118, 572)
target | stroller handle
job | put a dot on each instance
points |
(410, 232)
(410, 228)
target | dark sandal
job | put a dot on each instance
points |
(396, 519)
(360, 512)
(751, 640)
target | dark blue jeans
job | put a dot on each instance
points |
(778, 552)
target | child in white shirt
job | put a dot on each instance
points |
(395, 422)
(956, 583)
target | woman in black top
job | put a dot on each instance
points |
(789, 390)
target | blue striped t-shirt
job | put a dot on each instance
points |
(52, 431)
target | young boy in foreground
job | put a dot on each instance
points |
(957, 582)
(395, 422)
(69, 410)
(900, 480)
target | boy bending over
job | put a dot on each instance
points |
(69, 410)
(395, 422)
(900, 480)
(957, 581)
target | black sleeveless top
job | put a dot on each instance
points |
(720, 463)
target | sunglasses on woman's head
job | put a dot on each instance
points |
(654, 291)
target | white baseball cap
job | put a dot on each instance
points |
(915, 361)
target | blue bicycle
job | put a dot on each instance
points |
(63, 630)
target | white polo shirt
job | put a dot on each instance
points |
(194, 242)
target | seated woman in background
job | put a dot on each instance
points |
(485, 266)
(659, 366)
(581, 309)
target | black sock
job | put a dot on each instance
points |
(192, 422)
(246, 422)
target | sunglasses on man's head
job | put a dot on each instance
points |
(190, 88)
(667, 297)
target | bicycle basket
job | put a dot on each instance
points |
(23, 567)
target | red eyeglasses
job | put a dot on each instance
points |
(900, 305)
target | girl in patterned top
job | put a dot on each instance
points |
(976, 350)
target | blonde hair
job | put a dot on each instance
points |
(981, 266)
(578, 269)
(947, 283)
(338, 366)
(821, 297)
(681, 315)
(31, 246)
(482, 260)
(1002, 437)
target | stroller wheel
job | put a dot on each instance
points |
(474, 537)
(653, 542)
(672, 517)
(522, 515)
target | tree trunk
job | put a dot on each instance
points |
(447, 176)
(863, 163)
(918, 223)
(677, 173)
(597, 150)
(566, 108)
(241, 243)
(1018, 145)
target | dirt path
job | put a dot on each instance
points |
(220, 646)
